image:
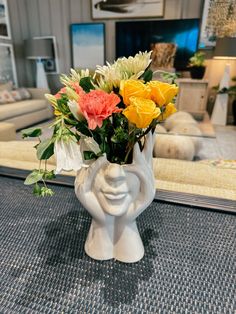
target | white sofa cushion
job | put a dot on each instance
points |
(21, 107)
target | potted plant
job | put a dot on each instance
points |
(196, 65)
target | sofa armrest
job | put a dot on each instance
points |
(38, 93)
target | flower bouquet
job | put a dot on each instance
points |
(104, 130)
(107, 113)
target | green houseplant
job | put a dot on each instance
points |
(196, 65)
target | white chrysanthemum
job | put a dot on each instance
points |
(133, 66)
(51, 98)
(122, 69)
(75, 76)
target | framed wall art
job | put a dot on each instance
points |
(51, 66)
(218, 20)
(88, 45)
(7, 64)
(5, 31)
(127, 8)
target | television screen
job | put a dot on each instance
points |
(132, 37)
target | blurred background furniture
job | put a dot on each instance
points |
(225, 49)
(7, 131)
(39, 49)
(192, 96)
(163, 55)
(27, 112)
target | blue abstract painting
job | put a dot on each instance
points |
(88, 45)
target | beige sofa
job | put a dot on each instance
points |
(27, 112)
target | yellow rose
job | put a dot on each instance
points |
(162, 93)
(129, 88)
(141, 112)
(169, 110)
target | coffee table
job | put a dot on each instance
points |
(188, 267)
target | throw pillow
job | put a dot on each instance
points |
(6, 97)
(6, 86)
(16, 95)
(20, 94)
(25, 94)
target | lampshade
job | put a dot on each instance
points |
(38, 48)
(225, 48)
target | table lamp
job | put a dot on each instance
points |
(39, 49)
(225, 50)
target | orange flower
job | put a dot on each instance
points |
(98, 105)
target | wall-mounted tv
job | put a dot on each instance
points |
(132, 37)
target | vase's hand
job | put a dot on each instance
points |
(142, 168)
(148, 148)
(84, 188)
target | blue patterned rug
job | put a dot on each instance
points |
(189, 264)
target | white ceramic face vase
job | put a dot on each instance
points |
(115, 195)
(115, 188)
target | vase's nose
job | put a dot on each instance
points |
(115, 174)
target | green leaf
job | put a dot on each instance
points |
(70, 121)
(169, 77)
(33, 177)
(37, 190)
(62, 104)
(83, 128)
(49, 175)
(89, 155)
(120, 135)
(147, 76)
(45, 149)
(86, 84)
(31, 132)
(45, 191)
(104, 147)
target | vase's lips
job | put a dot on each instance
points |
(115, 196)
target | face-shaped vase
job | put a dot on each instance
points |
(115, 188)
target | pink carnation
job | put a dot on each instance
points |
(97, 105)
(61, 91)
(77, 88)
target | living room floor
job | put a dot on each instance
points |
(222, 146)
